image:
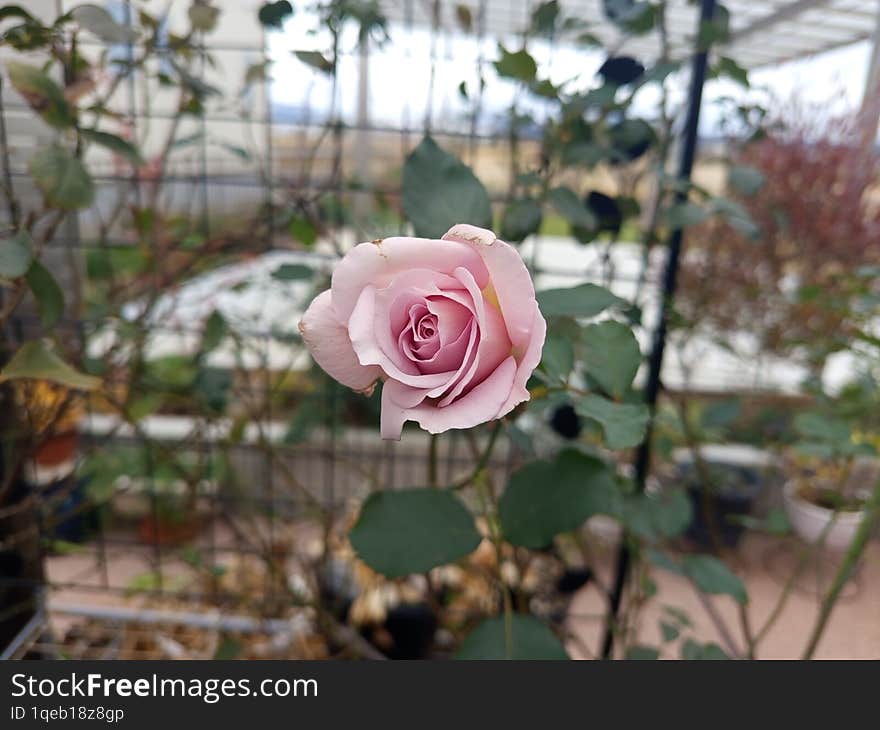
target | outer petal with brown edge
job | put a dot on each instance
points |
(330, 346)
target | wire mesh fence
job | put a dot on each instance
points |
(192, 500)
(197, 504)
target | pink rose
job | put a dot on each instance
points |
(451, 327)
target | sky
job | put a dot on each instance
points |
(401, 91)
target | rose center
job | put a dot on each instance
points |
(420, 339)
(426, 328)
(434, 334)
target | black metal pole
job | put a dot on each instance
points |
(670, 277)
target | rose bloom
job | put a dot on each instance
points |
(452, 327)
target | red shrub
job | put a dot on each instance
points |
(819, 217)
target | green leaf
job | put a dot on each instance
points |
(557, 359)
(49, 297)
(98, 21)
(736, 216)
(713, 576)
(190, 139)
(16, 11)
(643, 21)
(545, 89)
(816, 427)
(528, 639)
(677, 616)
(775, 523)
(62, 178)
(203, 16)
(720, 413)
(695, 651)
(63, 547)
(631, 138)
(611, 356)
(143, 406)
(228, 648)
(727, 67)
(716, 30)
(175, 372)
(672, 512)
(583, 153)
(215, 331)
(199, 88)
(634, 16)
(624, 424)
(440, 191)
(584, 300)
(235, 149)
(642, 653)
(303, 231)
(601, 97)
(521, 441)
(273, 15)
(572, 208)
(29, 35)
(659, 73)
(544, 18)
(293, 272)
(115, 144)
(316, 60)
(685, 214)
(256, 72)
(662, 561)
(212, 386)
(16, 253)
(745, 179)
(521, 218)
(655, 516)
(412, 531)
(42, 94)
(518, 65)
(670, 632)
(38, 359)
(545, 498)
(464, 17)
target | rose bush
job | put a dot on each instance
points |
(451, 326)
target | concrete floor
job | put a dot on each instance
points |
(764, 563)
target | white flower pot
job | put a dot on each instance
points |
(810, 520)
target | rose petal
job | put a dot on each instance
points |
(452, 317)
(410, 288)
(468, 363)
(492, 345)
(330, 346)
(509, 276)
(361, 330)
(483, 403)
(392, 306)
(527, 364)
(451, 356)
(403, 395)
(379, 262)
(416, 345)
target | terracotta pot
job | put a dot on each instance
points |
(165, 532)
(57, 449)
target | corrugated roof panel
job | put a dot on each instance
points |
(764, 33)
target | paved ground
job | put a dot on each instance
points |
(764, 563)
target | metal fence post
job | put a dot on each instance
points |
(670, 276)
